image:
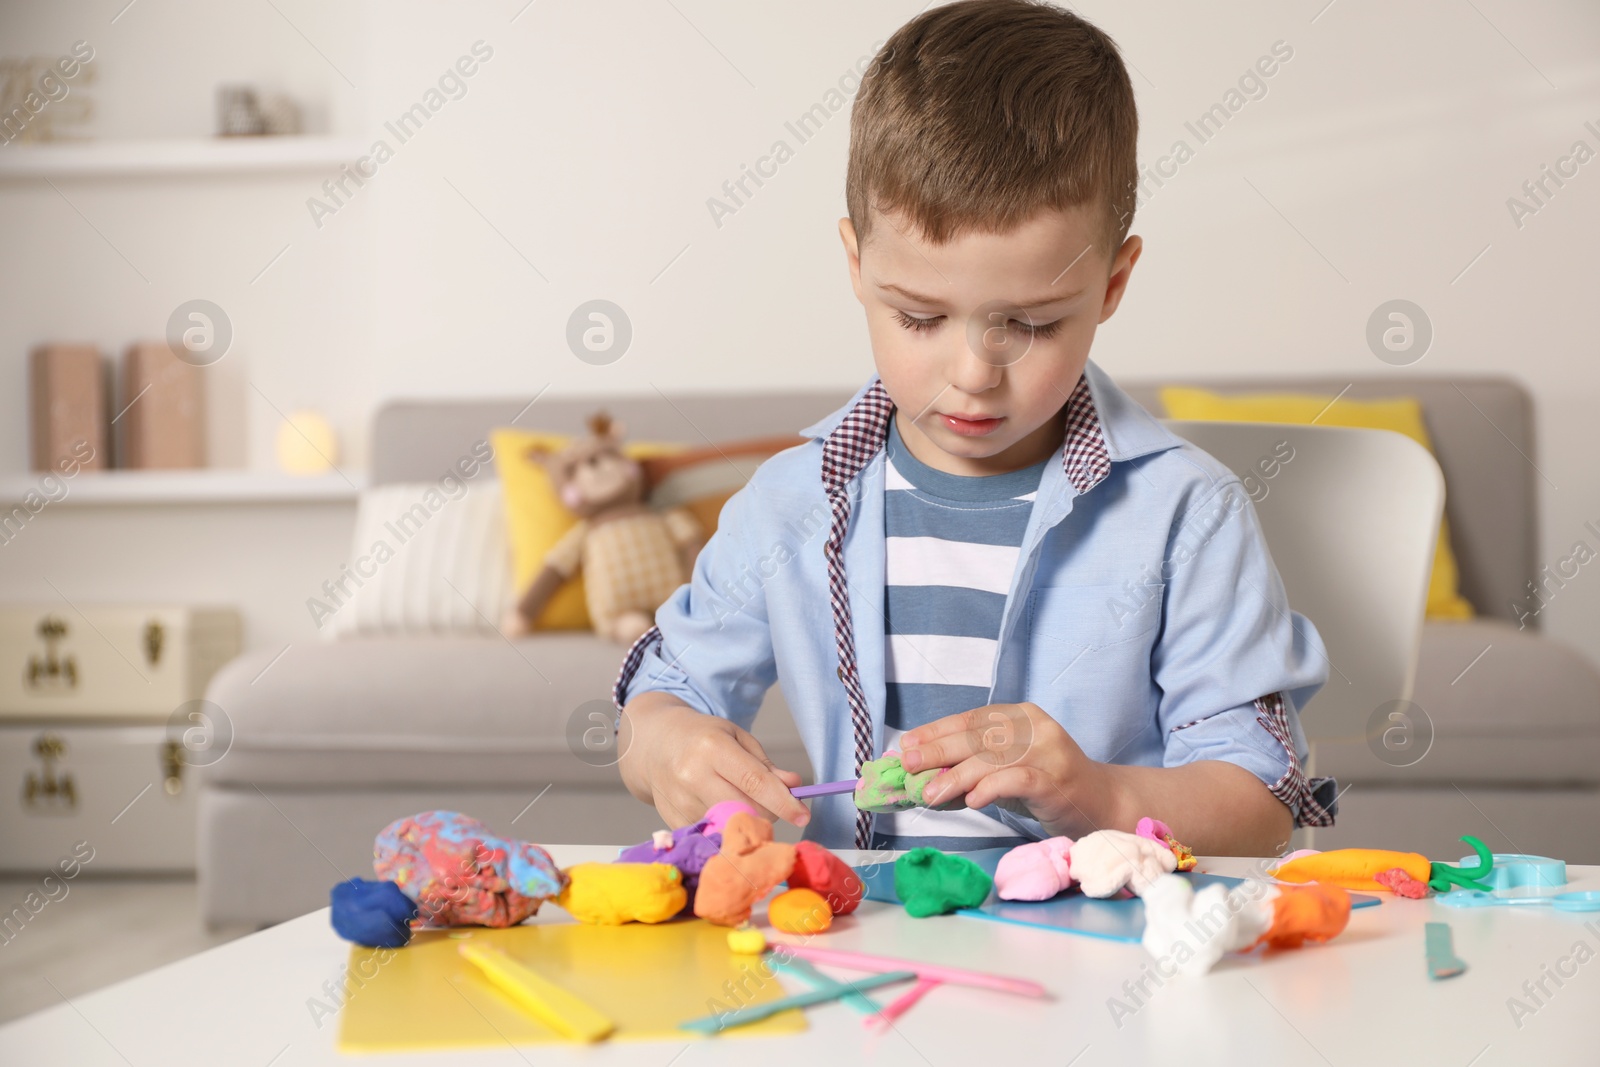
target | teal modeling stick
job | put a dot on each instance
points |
(712, 1024)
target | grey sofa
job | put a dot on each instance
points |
(340, 738)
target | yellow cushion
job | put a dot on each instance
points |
(536, 518)
(1401, 414)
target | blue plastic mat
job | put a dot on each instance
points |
(1117, 919)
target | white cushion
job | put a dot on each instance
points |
(427, 561)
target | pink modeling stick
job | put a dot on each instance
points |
(898, 1007)
(825, 789)
(879, 964)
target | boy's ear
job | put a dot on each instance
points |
(852, 251)
(1121, 270)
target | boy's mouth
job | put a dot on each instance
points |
(971, 427)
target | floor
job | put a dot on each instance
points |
(102, 931)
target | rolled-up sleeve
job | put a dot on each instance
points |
(1234, 664)
(711, 646)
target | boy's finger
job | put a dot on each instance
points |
(1014, 783)
(956, 723)
(748, 742)
(955, 783)
(946, 751)
(755, 778)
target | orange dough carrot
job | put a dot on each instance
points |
(1353, 868)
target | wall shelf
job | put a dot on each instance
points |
(177, 158)
(144, 488)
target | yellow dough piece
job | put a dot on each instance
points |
(609, 894)
(1353, 868)
(747, 940)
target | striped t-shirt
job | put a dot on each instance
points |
(951, 544)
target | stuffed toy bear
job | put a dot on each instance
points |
(632, 557)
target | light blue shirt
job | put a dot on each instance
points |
(1145, 615)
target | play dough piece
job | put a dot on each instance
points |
(718, 814)
(1190, 931)
(1306, 913)
(687, 848)
(886, 785)
(1158, 831)
(817, 868)
(800, 911)
(1353, 868)
(1108, 860)
(747, 940)
(930, 882)
(1037, 870)
(1402, 884)
(461, 874)
(610, 894)
(746, 870)
(375, 914)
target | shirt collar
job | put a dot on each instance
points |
(1104, 425)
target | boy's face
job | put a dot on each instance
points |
(980, 341)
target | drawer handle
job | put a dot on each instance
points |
(46, 789)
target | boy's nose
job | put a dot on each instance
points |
(976, 367)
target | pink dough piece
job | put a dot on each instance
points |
(718, 814)
(1037, 870)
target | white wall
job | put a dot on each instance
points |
(1378, 165)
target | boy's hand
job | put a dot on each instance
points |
(1014, 755)
(683, 761)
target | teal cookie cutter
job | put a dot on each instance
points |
(1515, 870)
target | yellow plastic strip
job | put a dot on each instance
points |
(540, 997)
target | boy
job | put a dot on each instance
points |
(991, 559)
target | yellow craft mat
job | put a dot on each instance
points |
(646, 978)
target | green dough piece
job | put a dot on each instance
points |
(886, 785)
(930, 882)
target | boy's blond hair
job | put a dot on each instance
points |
(977, 115)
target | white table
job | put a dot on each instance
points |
(1363, 999)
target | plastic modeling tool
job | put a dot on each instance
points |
(901, 1004)
(538, 996)
(861, 961)
(800, 968)
(1442, 959)
(1577, 900)
(825, 789)
(712, 1024)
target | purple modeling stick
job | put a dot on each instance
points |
(825, 789)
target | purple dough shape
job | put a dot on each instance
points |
(691, 848)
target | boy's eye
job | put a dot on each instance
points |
(911, 322)
(916, 325)
(1046, 329)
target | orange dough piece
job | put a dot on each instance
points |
(817, 868)
(1353, 868)
(800, 911)
(749, 865)
(1306, 913)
